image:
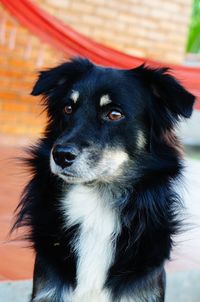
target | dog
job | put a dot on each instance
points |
(101, 206)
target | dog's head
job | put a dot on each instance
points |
(101, 119)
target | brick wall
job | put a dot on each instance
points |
(154, 29)
(21, 56)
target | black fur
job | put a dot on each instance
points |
(153, 102)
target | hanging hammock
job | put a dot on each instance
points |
(64, 38)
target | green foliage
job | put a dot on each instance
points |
(193, 44)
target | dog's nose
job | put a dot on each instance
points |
(64, 156)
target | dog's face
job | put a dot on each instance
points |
(101, 119)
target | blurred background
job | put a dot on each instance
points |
(38, 34)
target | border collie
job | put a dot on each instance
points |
(101, 206)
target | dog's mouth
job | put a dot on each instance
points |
(69, 178)
(67, 174)
(73, 178)
(63, 173)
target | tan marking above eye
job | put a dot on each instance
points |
(74, 96)
(105, 100)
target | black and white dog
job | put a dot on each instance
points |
(101, 205)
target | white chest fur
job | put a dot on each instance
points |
(99, 226)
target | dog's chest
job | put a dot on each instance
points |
(94, 244)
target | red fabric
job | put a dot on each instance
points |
(67, 40)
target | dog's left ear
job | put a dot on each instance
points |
(167, 92)
(64, 74)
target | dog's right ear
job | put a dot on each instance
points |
(65, 73)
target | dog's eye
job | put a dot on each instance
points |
(68, 109)
(115, 115)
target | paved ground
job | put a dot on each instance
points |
(180, 288)
(16, 262)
